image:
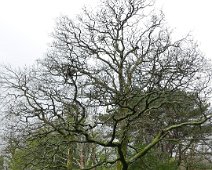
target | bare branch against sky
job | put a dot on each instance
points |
(25, 25)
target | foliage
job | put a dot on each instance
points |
(1, 162)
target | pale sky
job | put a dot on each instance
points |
(25, 25)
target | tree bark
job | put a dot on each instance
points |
(70, 158)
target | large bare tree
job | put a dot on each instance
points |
(110, 76)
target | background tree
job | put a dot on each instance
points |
(1, 162)
(109, 76)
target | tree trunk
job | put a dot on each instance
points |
(120, 164)
(82, 157)
(70, 158)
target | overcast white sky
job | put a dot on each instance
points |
(25, 25)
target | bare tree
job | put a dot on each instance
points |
(110, 74)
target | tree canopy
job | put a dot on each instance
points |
(113, 88)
